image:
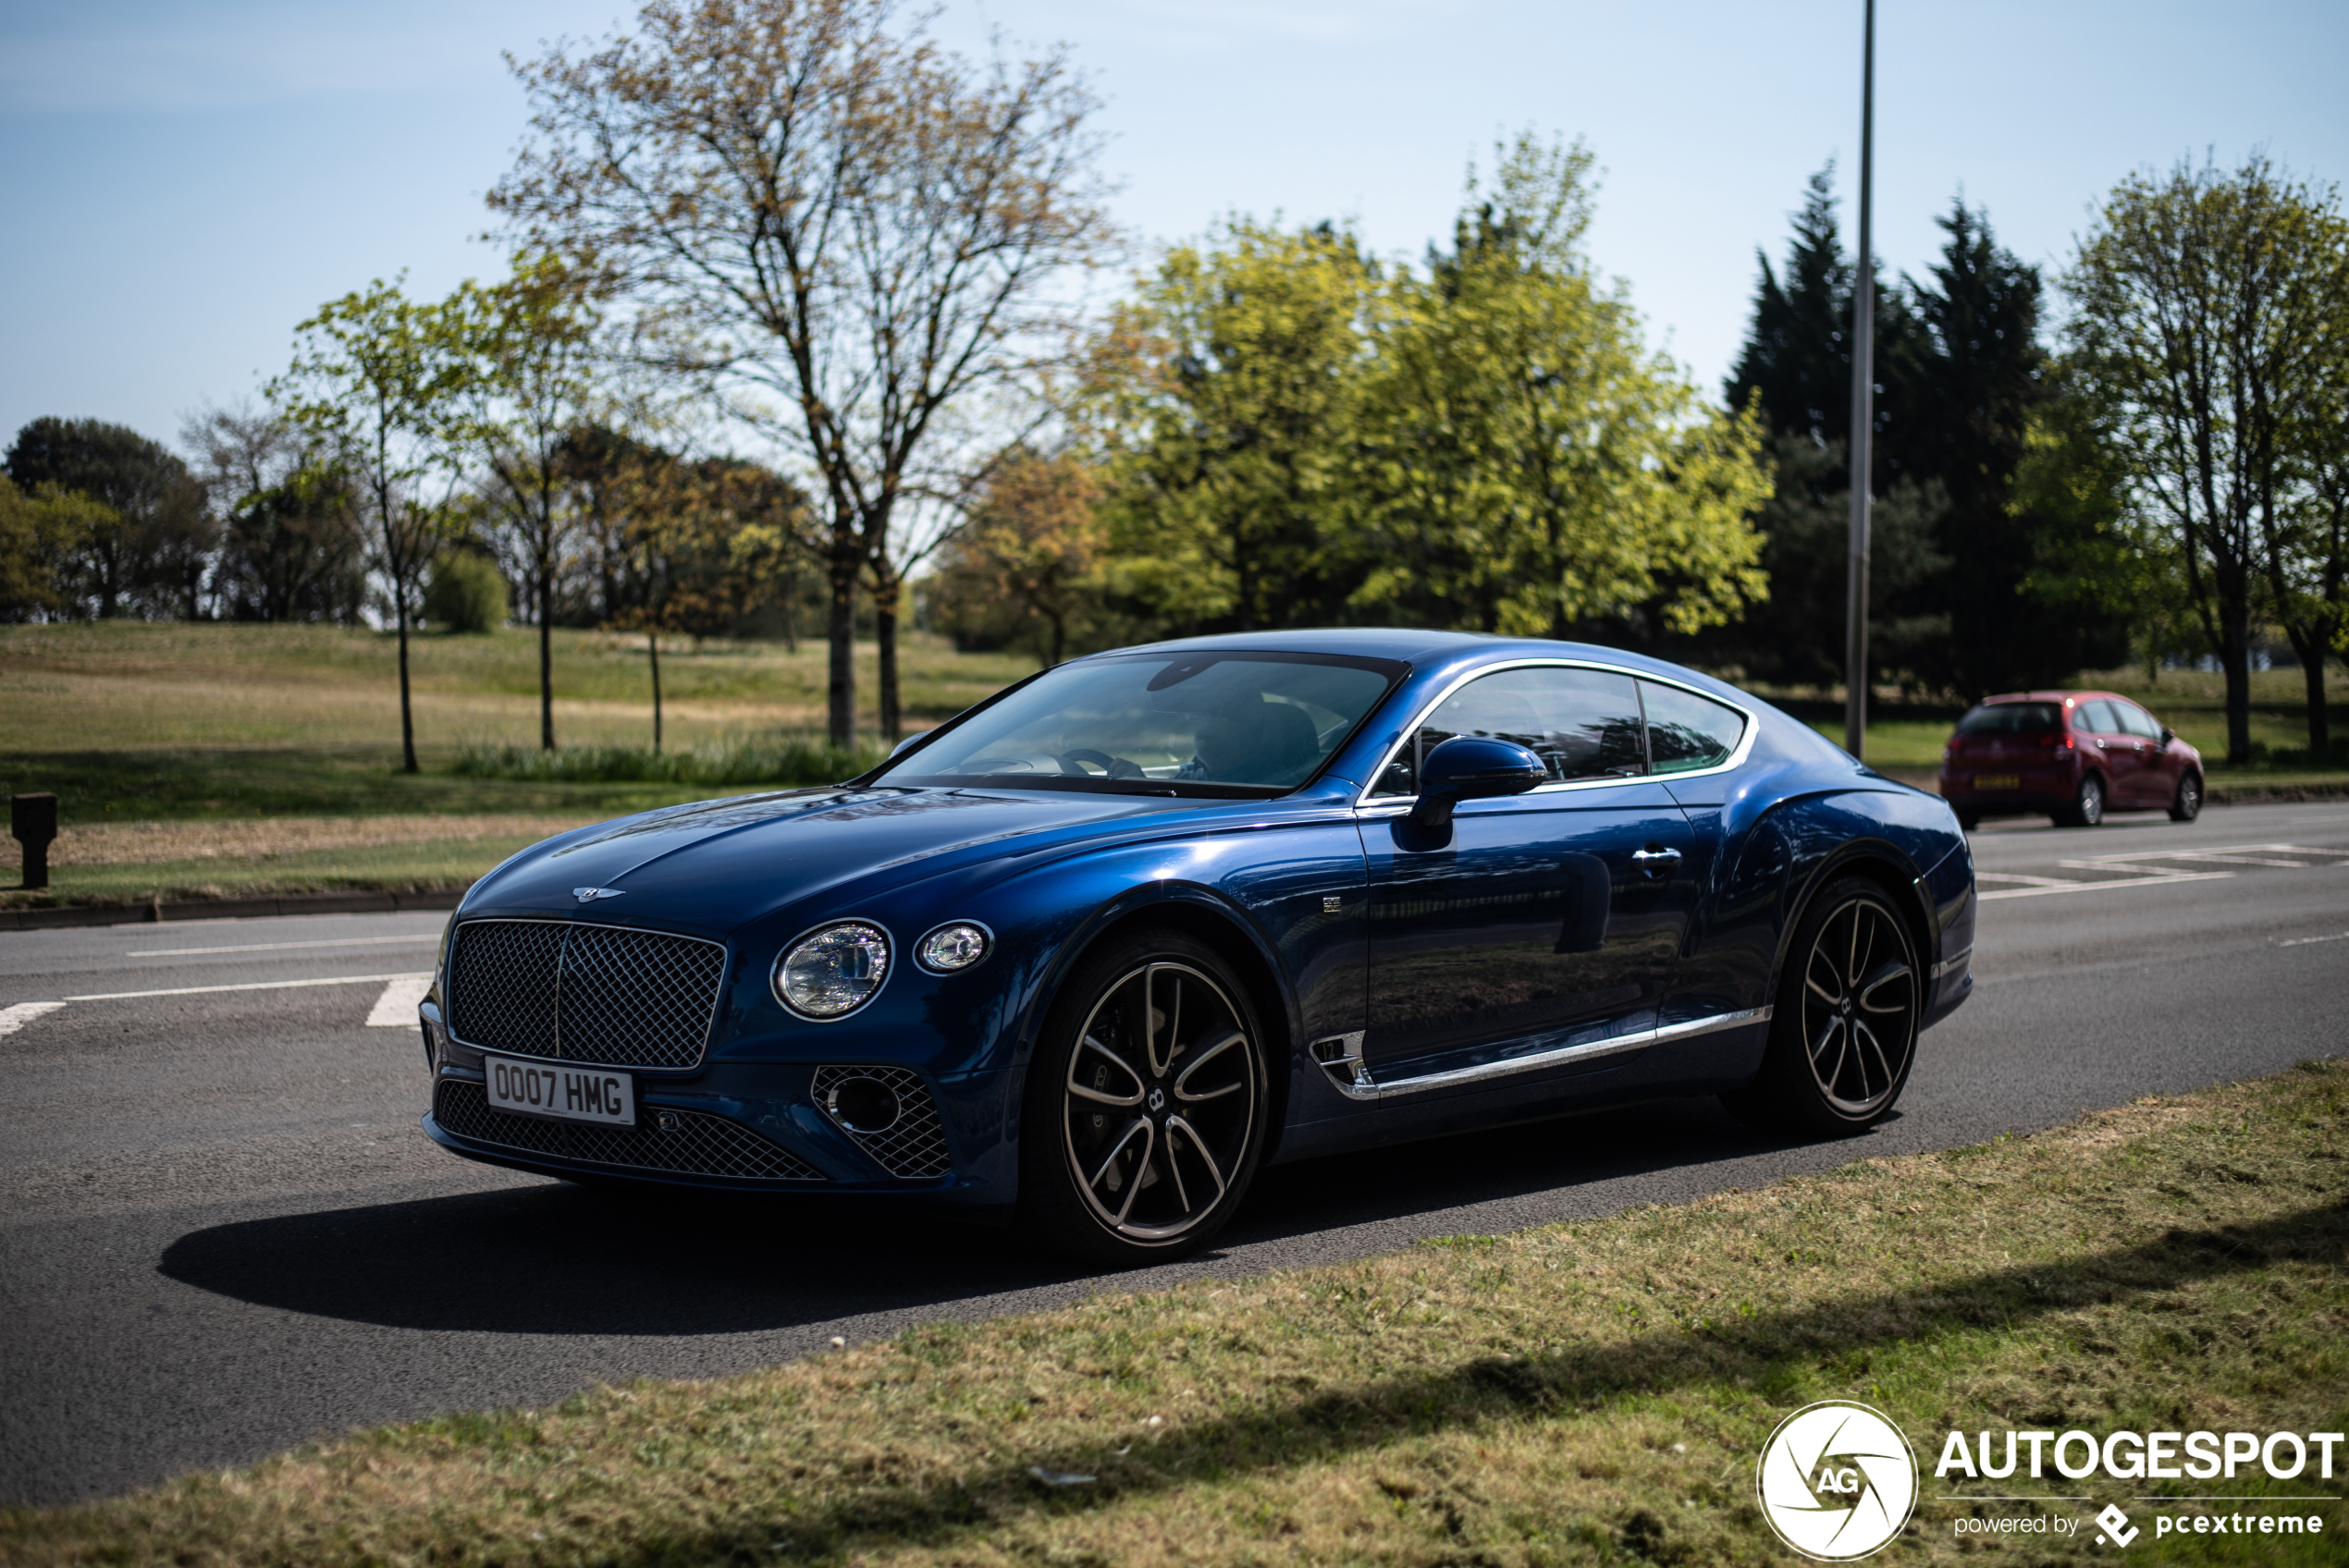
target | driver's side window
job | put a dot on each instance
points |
(1582, 723)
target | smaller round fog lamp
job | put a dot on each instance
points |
(951, 948)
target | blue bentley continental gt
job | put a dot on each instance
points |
(1091, 953)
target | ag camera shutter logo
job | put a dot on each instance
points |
(1837, 1480)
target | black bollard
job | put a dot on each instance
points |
(32, 821)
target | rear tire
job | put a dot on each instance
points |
(2087, 807)
(1145, 1104)
(2187, 804)
(1843, 1035)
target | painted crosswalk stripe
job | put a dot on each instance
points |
(396, 1009)
(15, 1018)
(250, 986)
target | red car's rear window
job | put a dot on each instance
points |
(2011, 719)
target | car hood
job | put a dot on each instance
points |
(722, 864)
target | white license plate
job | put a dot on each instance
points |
(1997, 781)
(561, 1094)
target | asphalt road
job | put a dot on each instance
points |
(221, 1232)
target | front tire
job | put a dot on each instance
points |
(1145, 1104)
(2187, 804)
(1843, 1035)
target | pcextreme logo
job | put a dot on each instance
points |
(1837, 1480)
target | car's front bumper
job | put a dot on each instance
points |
(747, 1127)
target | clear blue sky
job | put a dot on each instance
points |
(183, 182)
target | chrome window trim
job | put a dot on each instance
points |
(1355, 1082)
(710, 1025)
(1365, 801)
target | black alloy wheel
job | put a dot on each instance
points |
(1145, 1104)
(2187, 804)
(1844, 1032)
(2087, 807)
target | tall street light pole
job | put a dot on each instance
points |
(1855, 639)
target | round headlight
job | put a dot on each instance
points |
(833, 970)
(951, 948)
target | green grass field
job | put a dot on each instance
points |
(1593, 1393)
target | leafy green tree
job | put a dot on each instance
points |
(857, 237)
(467, 592)
(375, 381)
(2096, 562)
(1233, 411)
(41, 537)
(147, 554)
(292, 544)
(1526, 465)
(2202, 326)
(1026, 568)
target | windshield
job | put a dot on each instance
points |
(2010, 718)
(1194, 723)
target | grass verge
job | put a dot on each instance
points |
(1583, 1393)
(738, 761)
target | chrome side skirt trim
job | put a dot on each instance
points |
(1341, 1055)
(1954, 962)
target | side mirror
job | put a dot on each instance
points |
(2168, 735)
(1468, 768)
(907, 741)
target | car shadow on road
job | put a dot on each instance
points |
(560, 1260)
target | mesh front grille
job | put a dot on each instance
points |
(501, 984)
(912, 1148)
(696, 1146)
(584, 993)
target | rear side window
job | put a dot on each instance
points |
(1582, 723)
(2096, 716)
(2010, 718)
(1686, 731)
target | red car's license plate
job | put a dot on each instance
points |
(1997, 781)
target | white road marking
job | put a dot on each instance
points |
(396, 1009)
(2017, 876)
(2100, 887)
(280, 947)
(2295, 942)
(254, 986)
(15, 1018)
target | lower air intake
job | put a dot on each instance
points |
(692, 1144)
(912, 1148)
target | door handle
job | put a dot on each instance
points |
(1655, 863)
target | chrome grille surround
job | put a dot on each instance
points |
(681, 1143)
(618, 996)
(912, 1148)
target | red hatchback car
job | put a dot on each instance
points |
(2071, 754)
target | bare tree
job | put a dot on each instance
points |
(2202, 327)
(373, 379)
(860, 235)
(529, 345)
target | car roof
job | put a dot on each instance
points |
(1423, 649)
(2069, 695)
